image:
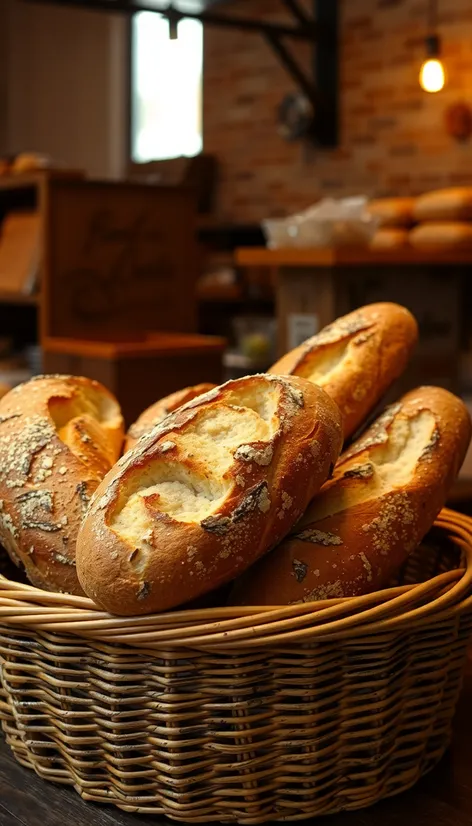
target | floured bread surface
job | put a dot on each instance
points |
(356, 358)
(207, 492)
(59, 436)
(160, 409)
(386, 492)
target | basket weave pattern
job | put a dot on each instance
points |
(242, 715)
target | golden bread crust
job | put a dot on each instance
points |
(159, 410)
(206, 493)
(386, 492)
(356, 358)
(59, 435)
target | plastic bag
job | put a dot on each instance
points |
(329, 223)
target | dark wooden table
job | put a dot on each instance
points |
(442, 798)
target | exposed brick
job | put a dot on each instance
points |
(383, 4)
(404, 150)
(360, 22)
(392, 135)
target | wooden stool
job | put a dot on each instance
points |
(139, 371)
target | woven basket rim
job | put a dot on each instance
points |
(27, 608)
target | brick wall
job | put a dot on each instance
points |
(393, 138)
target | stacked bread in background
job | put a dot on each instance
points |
(438, 220)
(243, 485)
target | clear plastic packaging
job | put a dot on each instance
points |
(329, 223)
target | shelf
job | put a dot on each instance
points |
(19, 298)
(227, 294)
(33, 179)
(345, 256)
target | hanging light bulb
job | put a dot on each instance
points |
(432, 74)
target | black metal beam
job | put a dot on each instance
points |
(298, 12)
(326, 72)
(208, 18)
(305, 83)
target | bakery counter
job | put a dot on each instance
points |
(442, 798)
(315, 286)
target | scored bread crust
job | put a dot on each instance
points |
(160, 409)
(59, 435)
(356, 358)
(206, 493)
(385, 494)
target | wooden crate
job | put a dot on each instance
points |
(141, 370)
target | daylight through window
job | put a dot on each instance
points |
(166, 88)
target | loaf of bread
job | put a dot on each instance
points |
(392, 212)
(206, 493)
(356, 358)
(59, 436)
(442, 236)
(452, 204)
(159, 410)
(386, 492)
(390, 238)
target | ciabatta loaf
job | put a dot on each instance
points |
(206, 493)
(59, 436)
(160, 409)
(386, 492)
(356, 358)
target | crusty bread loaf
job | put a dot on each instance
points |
(392, 212)
(59, 435)
(386, 492)
(159, 410)
(390, 238)
(437, 236)
(206, 493)
(356, 358)
(451, 204)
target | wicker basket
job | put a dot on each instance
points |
(242, 715)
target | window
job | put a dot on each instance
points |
(166, 88)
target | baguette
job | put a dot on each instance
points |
(438, 236)
(392, 212)
(206, 493)
(59, 436)
(386, 492)
(159, 410)
(451, 204)
(390, 238)
(356, 358)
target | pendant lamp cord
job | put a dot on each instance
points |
(433, 16)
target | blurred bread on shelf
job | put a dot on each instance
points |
(390, 238)
(392, 212)
(29, 162)
(452, 204)
(442, 235)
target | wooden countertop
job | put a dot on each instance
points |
(345, 256)
(148, 345)
(442, 798)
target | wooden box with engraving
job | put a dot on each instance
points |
(114, 292)
(122, 263)
(118, 257)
